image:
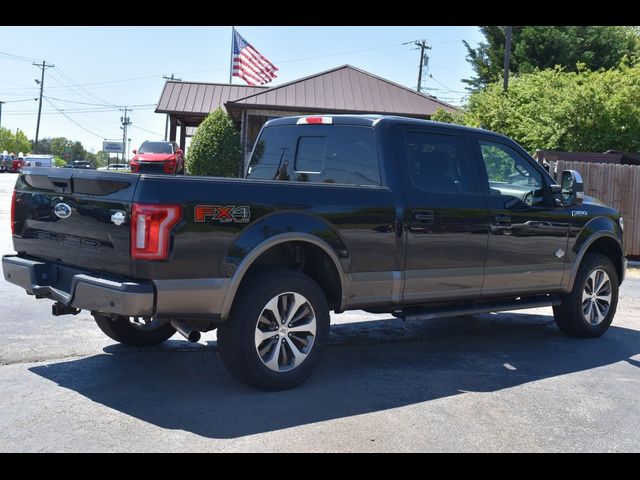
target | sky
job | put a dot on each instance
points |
(99, 70)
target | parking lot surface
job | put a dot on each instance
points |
(491, 382)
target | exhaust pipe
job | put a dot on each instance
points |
(186, 330)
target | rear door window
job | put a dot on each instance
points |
(317, 154)
(438, 163)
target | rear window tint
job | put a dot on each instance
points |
(310, 154)
(317, 154)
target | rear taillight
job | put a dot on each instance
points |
(150, 230)
(13, 212)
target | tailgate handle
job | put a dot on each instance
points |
(60, 185)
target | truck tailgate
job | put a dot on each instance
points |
(71, 216)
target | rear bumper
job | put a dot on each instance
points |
(90, 290)
(80, 288)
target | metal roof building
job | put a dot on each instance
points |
(344, 89)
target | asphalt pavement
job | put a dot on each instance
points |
(496, 382)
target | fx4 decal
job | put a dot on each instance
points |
(222, 213)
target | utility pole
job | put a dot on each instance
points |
(1, 103)
(507, 57)
(129, 148)
(424, 59)
(166, 123)
(44, 66)
(125, 123)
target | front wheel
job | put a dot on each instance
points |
(277, 326)
(134, 331)
(588, 310)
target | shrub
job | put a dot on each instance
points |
(215, 149)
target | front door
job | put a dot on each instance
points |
(445, 217)
(528, 235)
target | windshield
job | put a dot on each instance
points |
(156, 147)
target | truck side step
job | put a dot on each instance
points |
(518, 304)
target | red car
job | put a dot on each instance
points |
(158, 157)
(17, 164)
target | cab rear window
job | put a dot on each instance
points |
(316, 154)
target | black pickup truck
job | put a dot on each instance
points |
(409, 217)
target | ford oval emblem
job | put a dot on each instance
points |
(119, 218)
(62, 210)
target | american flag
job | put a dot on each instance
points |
(249, 64)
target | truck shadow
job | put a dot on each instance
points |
(368, 367)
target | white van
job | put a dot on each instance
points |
(39, 160)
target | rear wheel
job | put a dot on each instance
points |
(589, 309)
(277, 326)
(134, 331)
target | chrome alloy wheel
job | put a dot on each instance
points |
(285, 331)
(596, 297)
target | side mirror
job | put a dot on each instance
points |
(572, 188)
(135, 151)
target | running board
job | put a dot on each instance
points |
(429, 314)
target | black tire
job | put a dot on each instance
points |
(236, 337)
(569, 315)
(123, 331)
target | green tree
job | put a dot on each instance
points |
(99, 159)
(215, 149)
(545, 47)
(14, 143)
(559, 110)
(6, 139)
(62, 147)
(445, 116)
(58, 162)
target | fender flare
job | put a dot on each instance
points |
(262, 247)
(586, 244)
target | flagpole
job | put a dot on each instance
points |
(231, 58)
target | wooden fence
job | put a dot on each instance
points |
(617, 186)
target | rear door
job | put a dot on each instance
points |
(445, 216)
(74, 216)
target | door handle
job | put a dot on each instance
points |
(502, 219)
(425, 216)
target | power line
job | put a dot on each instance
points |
(148, 131)
(443, 85)
(77, 110)
(101, 104)
(73, 121)
(75, 90)
(64, 75)
(18, 58)
(336, 54)
(24, 100)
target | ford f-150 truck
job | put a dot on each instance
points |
(387, 214)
